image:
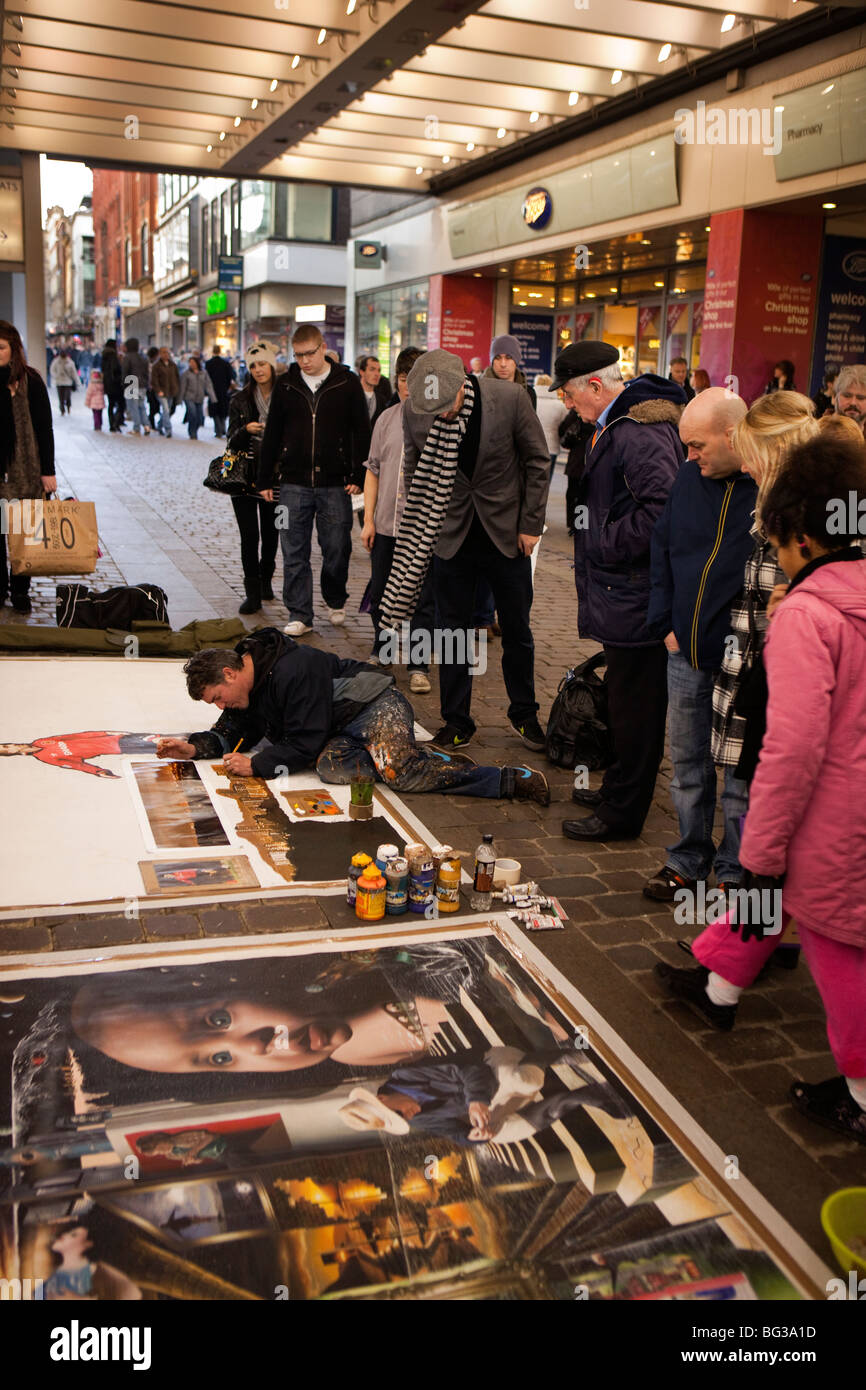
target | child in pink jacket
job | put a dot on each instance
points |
(94, 398)
(805, 831)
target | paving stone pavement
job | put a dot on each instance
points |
(158, 523)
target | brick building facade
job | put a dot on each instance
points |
(124, 220)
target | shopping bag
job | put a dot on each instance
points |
(50, 536)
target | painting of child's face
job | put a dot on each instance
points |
(73, 1241)
(209, 1034)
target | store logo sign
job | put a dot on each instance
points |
(537, 208)
(854, 265)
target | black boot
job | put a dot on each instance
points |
(267, 590)
(253, 601)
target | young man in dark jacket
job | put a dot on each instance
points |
(136, 377)
(699, 551)
(112, 381)
(222, 374)
(631, 462)
(292, 706)
(313, 449)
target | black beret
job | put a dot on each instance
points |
(579, 359)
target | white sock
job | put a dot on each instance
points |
(721, 991)
(857, 1087)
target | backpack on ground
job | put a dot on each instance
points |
(120, 607)
(578, 732)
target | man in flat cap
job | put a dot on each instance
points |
(631, 462)
(477, 469)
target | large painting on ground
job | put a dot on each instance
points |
(411, 1115)
(78, 771)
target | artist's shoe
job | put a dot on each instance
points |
(458, 759)
(419, 683)
(831, 1105)
(664, 885)
(449, 736)
(22, 603)
(584, 797)
(267, 586)
(531, 732)
(297, 629)
(337, 616)
(690, 986)
(591, 828)
(253, 601)
(530, 785)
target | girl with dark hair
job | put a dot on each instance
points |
(805, 832)
(255, 516)
(26, 446)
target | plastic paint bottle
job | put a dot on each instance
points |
(356, 868)
(384, 855)
(448, 880)
(421, 879)
(397, 890)
(370, 900)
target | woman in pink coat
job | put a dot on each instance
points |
(805, 831)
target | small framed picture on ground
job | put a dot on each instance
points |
(169, 877)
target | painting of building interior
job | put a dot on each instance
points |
(322, 1120)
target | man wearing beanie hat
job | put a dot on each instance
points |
(477, 469)
(631, 462)
(506, 363)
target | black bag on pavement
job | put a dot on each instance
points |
(578, 733)
(121, 607)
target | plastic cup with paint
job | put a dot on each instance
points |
(506, 872)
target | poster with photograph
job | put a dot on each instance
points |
(389, 1117)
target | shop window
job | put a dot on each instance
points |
(533, 296)
(649, 322)
(697, 310)
(145, 248)
(677, 332)
(256, 211)
(205, 240)
(566, 297)
(214, 233)
(309, 212)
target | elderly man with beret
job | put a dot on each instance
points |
(478, 469)
(631, 462)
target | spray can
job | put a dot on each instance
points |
(370, 900)
(397, 887)
(448, 880)
(356, 868)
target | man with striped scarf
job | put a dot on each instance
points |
(477, 469)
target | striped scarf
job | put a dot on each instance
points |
(424, 513)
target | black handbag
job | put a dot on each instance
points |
(578, 731)
(233, 473)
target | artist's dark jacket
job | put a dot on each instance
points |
(700, 546)
(300, 698)
(445, 1091)
(629, 472)
(319, 439)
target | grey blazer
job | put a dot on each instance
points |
(509, 486)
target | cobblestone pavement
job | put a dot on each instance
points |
(158, 523)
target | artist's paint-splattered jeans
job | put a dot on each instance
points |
(380, 743)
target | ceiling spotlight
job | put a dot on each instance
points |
(446, 159)
(323, 34)
(573, 98)
(17, 22)
(470, 147)
(659, 284)
(254, 103)
(350, 8)
(825, 90)
(273, 86)
(728, 23)
(237, 122)
(707, 227)
(222, 135)
(209, 148)
(296, 61)
(477, 274)
(664, 53)
(616, 76)
(828, 206)
(419, 169)
(503, 270)
(14, 48)
(501, 132)
(533, 117)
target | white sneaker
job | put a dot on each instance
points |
(337, 616)
(419, 684)
(296, 629)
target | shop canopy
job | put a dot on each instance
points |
(393, 94)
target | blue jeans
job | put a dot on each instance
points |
(694, 786)
(164, 425)
(195, 418)
(380, 743)
(332, 511)
(136, 412)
